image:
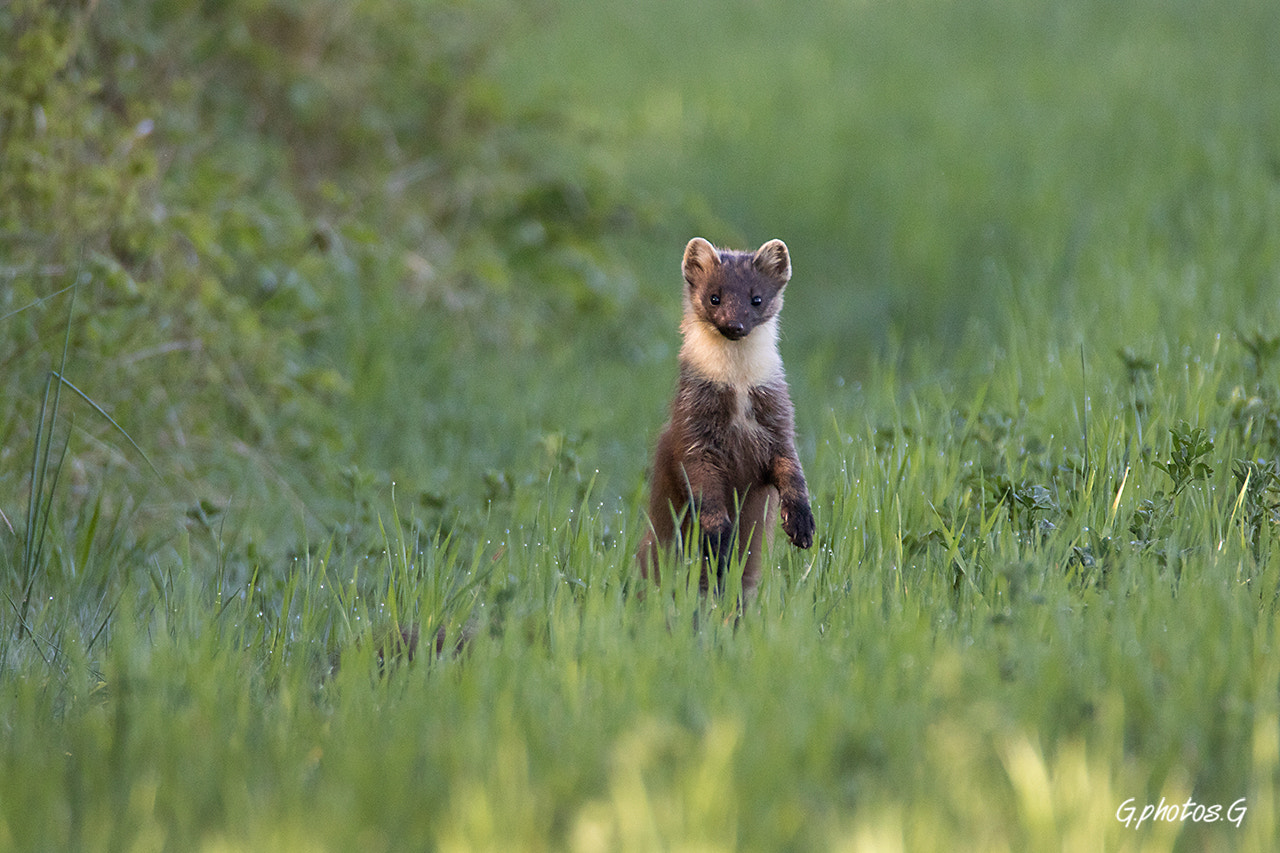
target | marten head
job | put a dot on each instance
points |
(735, 291)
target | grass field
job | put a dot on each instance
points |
(322, 321)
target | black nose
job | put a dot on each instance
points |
(734, 331)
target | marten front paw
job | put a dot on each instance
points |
(717, 540)
(715, 526)
(798, 524)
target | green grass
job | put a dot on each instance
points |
(943, 669)
(1031, 338)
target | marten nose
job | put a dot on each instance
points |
(734, 331)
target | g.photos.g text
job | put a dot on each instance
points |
(1130, 815)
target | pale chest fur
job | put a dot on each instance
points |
(737, 367)
(742, 365)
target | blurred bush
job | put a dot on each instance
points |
(274, 211)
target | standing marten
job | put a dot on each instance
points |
(729, 448)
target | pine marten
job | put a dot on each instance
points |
(729, 448)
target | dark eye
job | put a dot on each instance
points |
(715, 299)
(756, 300)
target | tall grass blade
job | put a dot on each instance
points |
(42, 300)
(38, 516)
(103, 412)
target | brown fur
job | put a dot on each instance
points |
(728, 449)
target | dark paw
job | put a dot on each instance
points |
(798, 524)
(717, 550)
(718, 546)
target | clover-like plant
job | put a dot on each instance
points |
(1186, 463)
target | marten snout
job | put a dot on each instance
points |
(734, 314)
(734, 331)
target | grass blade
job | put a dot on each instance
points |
(101, 411)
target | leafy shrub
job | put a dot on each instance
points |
(274, 212)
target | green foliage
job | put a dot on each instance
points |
(1258, 505)
(1186, 464)
(386, 292)
(275, 213)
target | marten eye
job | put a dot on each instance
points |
(715, 299)
(756, 301)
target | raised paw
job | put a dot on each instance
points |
(798, 524)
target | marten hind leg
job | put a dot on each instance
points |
(667, 499)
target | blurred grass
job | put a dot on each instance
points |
(388, 293)
(930, 163)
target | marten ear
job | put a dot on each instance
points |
(700, 258)
(772, 259)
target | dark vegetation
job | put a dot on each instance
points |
(328, 325)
